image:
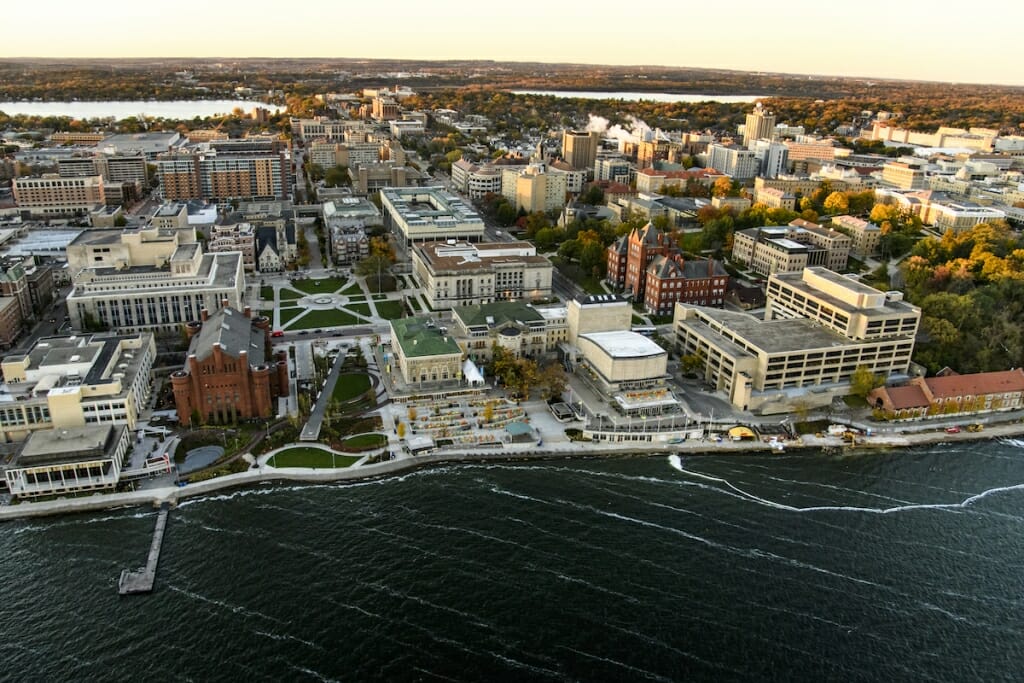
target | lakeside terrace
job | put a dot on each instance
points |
(525, 451)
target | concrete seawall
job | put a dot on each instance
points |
(173, 494)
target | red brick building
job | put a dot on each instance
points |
(630, 255)
(952, 394)
(647, 264)
(671, 279)
(228, 375)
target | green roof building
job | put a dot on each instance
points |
(424, 352)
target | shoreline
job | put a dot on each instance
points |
(173, 495)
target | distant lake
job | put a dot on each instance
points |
(122, 109)
(636, 96)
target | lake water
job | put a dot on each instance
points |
(648, 96)
(122, 109)
(872, 566)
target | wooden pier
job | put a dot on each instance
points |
(141, 580)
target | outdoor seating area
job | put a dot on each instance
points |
(469, 421)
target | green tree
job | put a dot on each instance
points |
(337, 177)
(552, 381)
(375, 268)
(594, 196)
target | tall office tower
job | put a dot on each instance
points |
(760, 124)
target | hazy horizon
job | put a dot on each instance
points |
(880, 40)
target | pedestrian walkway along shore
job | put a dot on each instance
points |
(264, 474)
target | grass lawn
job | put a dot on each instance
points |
(290, 294)
(357, 298)
(390, 310)
(288, 314)
(330, 317)
(310, 457)
(362, 309)
(637, 320)
(380, 297)
(267, 293)
(350, 386)
(364, 442)
(319, 286)
(414, 304)
(353, 288)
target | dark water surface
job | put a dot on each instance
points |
(906, 565)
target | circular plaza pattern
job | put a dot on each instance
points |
(324, 301)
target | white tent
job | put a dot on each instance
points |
(472, 373)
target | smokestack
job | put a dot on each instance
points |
(224, 302)
(204, 315)
(247, 312)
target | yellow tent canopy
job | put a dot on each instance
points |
(742, 433)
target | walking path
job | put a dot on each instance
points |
(510, 452)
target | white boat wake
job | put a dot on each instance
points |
(675, 461)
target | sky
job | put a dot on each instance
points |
(912, 39)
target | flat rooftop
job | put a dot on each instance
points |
(496, 314)
(769, 336)
(70, 444)
(796, 281)
(218, 270)
(444, 256)
(421, 337)
(624, 344)
(428, 204)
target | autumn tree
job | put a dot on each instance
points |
(382, 246)
(723, 187)
(836, 203)
(862, 381)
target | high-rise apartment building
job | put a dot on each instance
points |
(230, 169)
(760, 125)
(50, 195)
(579, 148)
(732, 160)
(772, 158)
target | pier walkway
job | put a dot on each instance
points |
(141, 580)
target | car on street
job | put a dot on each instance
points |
(277, 333)
(953, 430)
